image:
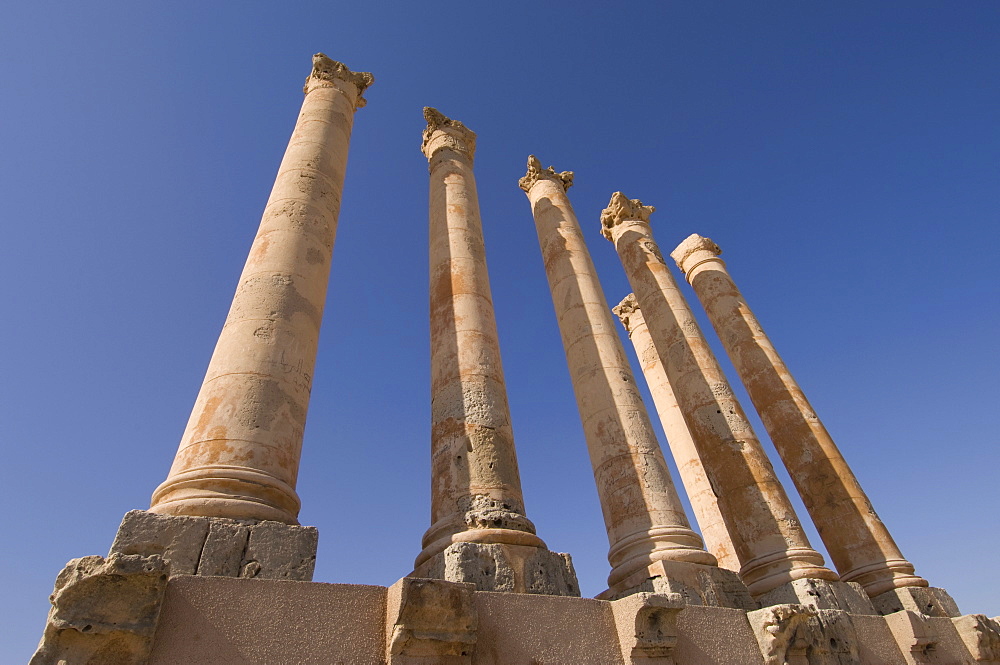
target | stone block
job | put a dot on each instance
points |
(931, 601)
(224, 548)
(696, 583)
(104, 611)
(521, 629)
(927, 640)
(177, 538)
(647, 627)
(430, 622)
(232, 621)
(981, 636)
(800, 635)
(278, 551)
(504, 568)
(820, 595)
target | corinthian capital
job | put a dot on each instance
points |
(622, 209)
(325, 71)
(691, 245)
(536, 172)
(628, 312)
(443, 132)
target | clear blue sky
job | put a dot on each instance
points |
(844, 155)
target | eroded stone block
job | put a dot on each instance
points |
(225, 545)
(800, 635)
(696, 583)
(104, 611)
(177, 538)
(430, 622)
(279, 551)
(981, 636)
(931, 601)
(647, 627)
(820, 595)
(504, 568)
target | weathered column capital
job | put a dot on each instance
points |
(628, 313)
(326, 72)
(693, 251)
(444, 133)
(536, 173)
(622, 211)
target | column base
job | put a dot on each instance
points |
(820, 595)
(220, 546)
(929, 601)
(503, 567)
(697, 583)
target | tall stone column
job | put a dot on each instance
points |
(239, 456)
(699, 490)
(858, 542)
(479, 531)
(769, 541)
(649, 533)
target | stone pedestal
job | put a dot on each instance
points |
(645, 519)
(220, 547)
(699, 490)
(859, 544)
(767, 537)
(476, 496)
(239, 455)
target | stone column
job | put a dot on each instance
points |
(858, 542)
(239, 455)
(649, 533)
(768, 539)
(479, 531)
(704, 503)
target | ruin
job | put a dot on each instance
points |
(218, 570)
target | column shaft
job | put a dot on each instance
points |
(699, 490)
(475, 485)
(239, 455)
(644, 516)
(858, 542)
(767, 536)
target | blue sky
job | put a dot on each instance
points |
(844, 155)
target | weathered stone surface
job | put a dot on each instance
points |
(219, 546)
(820, 595)
(697, 584)
(280, 552)
(647, 627)
(502, 567)
(177, 538)
(931, 601)
(981, 636)
(104, 611)
(798, 635)
(858, 542)
(224, 548)
(430, 622)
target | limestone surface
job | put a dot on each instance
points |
(219, 546)
(104, 611)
